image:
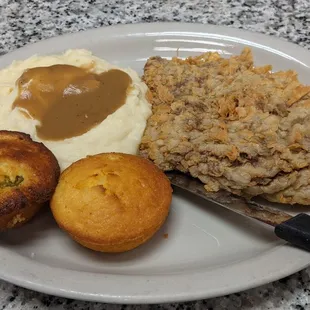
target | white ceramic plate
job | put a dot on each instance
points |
(209, 251)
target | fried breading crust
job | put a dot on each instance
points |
(234, 126)
(29, 174)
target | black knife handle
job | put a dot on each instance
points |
(295, 231)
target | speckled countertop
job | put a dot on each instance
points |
(25, 21)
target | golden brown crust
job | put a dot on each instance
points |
(115, 247)
(111, 202)
(28, 175)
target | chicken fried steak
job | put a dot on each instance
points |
(234, 126)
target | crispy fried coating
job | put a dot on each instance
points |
(28, 177)
(234, 126)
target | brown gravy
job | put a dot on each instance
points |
(67, 100)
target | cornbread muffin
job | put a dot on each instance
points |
(28, 177)
(111, 202)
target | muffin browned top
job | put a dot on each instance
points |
(29, 172)
(111, 198)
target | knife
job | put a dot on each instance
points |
(293, 229)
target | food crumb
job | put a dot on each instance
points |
(166, 236)
(18, 218)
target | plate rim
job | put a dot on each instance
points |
(292, 258)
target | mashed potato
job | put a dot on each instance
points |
(119, 132)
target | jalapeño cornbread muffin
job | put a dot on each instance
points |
(111, 202)
(28, 177)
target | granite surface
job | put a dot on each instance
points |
(26, 21)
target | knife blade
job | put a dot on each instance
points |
(293, 229)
